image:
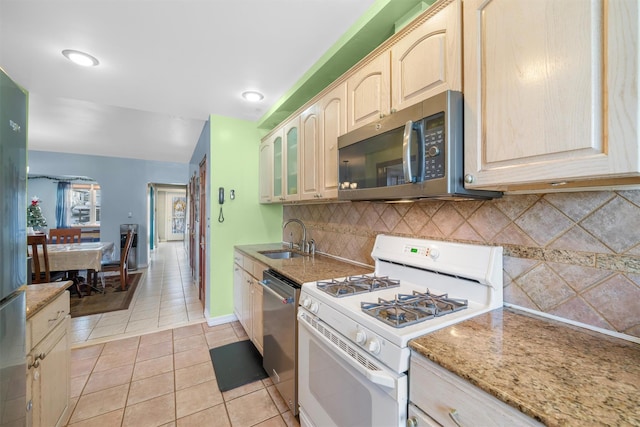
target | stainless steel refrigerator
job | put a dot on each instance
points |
(13, 252)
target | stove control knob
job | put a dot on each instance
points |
(314, 307)
(374, 346)
(434, 253)
(361, 337)
(306, 302)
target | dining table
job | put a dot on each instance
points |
(78, 256)
(73, 257)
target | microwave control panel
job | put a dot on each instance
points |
(434, 163)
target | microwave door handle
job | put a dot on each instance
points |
(406, 152)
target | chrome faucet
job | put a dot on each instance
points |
(303, 246)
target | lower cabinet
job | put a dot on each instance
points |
(441, 396)
(49, 363)
(247, 296)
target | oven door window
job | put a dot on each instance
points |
(377, 161)
(333, 393)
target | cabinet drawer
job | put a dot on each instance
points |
(238, 258)
(248, 265)
(451, 401)
(48, 318)
(258, 268)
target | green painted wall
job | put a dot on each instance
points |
(234, 165)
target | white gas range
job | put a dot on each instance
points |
(354, 331)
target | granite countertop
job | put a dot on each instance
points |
(306, 268)
(557, 373)
(41, 294)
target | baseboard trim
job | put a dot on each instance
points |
(220, 320)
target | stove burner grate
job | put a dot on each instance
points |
(353, 285)
(407, 310)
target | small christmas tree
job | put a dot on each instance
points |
(34, 214)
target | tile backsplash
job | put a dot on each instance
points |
(573, 255)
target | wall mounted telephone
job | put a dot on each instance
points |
(221, 202)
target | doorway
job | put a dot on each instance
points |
(169, 216)
(202, 247)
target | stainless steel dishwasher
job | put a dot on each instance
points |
(280, 359)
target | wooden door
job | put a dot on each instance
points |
(202, 247)
(192, 223)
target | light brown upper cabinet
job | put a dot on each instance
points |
(369, 95)
(291, 160)
(279, 164)
(265, 173)
(310, 144)
(321, 125)
(427, 60)
(423, 60)
(551, 93)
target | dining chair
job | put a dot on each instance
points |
(122, 264)
(65, 235)
(68, 235)
(41, 272)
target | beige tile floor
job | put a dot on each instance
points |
(166, 378)
(166, 297)
(150, 365)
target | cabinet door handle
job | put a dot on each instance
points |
(36, 360)
(58, 314)
(453, 414)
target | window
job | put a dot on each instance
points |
(85, 204)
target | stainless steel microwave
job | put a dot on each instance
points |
(412, 154)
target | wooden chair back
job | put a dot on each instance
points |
(41, 273)
(65, 235)
(124, 258)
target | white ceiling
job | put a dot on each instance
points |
(165, 65)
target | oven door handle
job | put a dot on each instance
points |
(377, 377)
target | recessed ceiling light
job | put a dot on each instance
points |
(80, 58)
(252, 96)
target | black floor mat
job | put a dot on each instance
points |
(237, 364)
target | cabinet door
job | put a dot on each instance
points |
(265, 174)
(333, 123)
(51, 374)
(291, 159)
(237, 291)
(551, 91)
(246, 320)
(277, 185)
(310, 142)
(368, 90)
(256, 309)
(428, 59)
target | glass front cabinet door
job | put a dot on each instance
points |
(291, 160)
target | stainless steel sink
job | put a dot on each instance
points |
(281, 254)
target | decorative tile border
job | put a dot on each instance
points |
(568, 254)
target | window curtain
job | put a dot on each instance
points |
(63, 207)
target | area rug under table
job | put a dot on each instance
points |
(112, 300)
(237, 364)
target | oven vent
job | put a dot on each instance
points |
(343, 345)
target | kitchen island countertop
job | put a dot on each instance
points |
(305, 268)
(559, 374)
(39, 295)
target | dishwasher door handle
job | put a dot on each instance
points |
(284, 299)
